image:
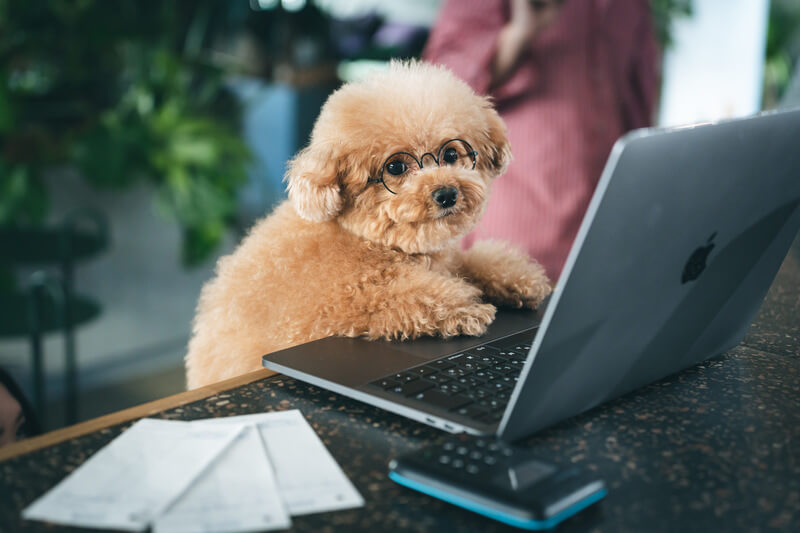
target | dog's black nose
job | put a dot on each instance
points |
(446, 196)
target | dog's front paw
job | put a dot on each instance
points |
(506, 275)
(471, 319)
(527, 290)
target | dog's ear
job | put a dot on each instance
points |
(499, 149)
(314, 185)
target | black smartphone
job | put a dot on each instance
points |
(503, 482)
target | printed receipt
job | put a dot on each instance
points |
(236, 474)
(236, 493)
(134, 478)
(308, 477)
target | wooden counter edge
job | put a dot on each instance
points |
(140, 411)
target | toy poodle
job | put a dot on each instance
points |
(398, 169)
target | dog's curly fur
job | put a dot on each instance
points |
(346, 257)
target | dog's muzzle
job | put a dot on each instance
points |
(445, 196)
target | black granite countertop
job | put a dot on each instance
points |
(713, 448)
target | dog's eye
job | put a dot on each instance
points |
(396, 168)
(450, 156)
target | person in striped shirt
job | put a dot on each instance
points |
(569, 77)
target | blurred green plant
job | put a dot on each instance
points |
(664, 12)
(123, 92)
(783, 49)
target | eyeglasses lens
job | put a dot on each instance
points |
(399, 166)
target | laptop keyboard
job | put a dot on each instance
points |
(476, 383)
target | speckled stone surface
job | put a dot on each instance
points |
(714, 448)
(776, 328)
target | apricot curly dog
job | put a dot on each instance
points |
(398, 169)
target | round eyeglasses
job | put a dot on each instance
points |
(454, 153)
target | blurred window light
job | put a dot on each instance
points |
(715, 67)
(293, 5)
(263, 5)
(359, 69)
(344, 8)
(412, 12)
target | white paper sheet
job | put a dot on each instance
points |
(134, 478)
(237, 493)
(308, 477)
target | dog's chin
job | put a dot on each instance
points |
(436, 231)
(426, 237)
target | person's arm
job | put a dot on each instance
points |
(528, 19)
(464, 39)
(482, 42)
(11, 417)
(16, 416)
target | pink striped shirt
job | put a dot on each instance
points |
(582, 83)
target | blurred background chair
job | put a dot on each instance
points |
(46, 301)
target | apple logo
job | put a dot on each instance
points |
(697, 262)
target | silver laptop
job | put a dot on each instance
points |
(679, 245)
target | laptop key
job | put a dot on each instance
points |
(438, 378)
(445, 401)
(440, 364)
(478, 393)
(404, 377)
(499, 386)
(451, 388)
(492, 403)
(423, 370)
(504, 368)
(456, 372)
(483, 375)
(495, 403)
(520, 349)
(490, 359)
(385, 383)
(413, 387)
(475, 360)
(494, 375)
(472, 411)
(470, 381)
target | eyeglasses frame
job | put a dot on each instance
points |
(471, 152)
